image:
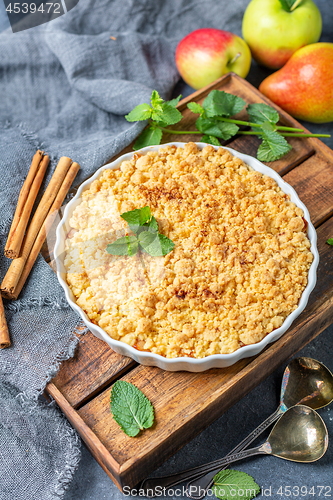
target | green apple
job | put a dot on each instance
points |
(275, 29)
(207, 54)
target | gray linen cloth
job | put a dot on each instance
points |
(65, 88)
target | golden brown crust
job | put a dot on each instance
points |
(239, 265)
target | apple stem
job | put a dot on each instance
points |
(254, 125)
(234, 59)
(293, 7)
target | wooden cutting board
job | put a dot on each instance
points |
(185, 403)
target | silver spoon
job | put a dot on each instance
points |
(299, 435)
(305, 381)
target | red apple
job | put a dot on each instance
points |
(207, 54)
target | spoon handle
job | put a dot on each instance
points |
(154, 486)
(197, 488)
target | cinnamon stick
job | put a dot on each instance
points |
(25, 203)
(15, 270)
(4, 334)
(71, 174)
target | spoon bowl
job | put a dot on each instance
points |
(299, 435)
(308, 382)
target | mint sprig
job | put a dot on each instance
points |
(146, 236)
(130, 408)
(234, 485)
(215, 122)
(330, 241)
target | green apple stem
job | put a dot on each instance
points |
(254, 125)
(234, 59)
(293, 7)
(290, 5)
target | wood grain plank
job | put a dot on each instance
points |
(324, 283)
(313, 182)
(93, 367)
(99, 452)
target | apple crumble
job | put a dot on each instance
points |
(238, 268)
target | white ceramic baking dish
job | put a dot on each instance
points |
(185, 363)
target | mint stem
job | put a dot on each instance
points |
(289, 129)
(285, 134)
(249, 124)
(306, 135)
(180, 132)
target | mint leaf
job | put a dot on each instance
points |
(153, 226)
(155, 244)
(195, 107)
(151, 136)
(216, 128)
(330, 241)
(168, 116)
(127, 245)
(220, 103)
(273, 146)
(130, 408)
(234, 485)
(167, 245)
(210, 139)
(156, 100)
(268, 126)
(261, 113)
(139, 113)
(137, 217)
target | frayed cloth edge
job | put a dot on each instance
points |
(24, 304)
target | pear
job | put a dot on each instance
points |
(304, 86)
